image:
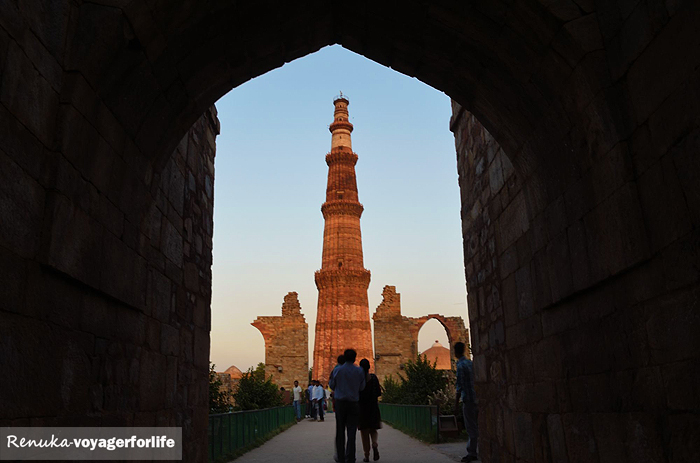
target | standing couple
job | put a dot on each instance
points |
(355, 392)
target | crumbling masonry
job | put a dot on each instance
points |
(286, 344)
(396, 336)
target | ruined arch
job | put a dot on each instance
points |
(586, 246)
(396, 336)
(454, 326)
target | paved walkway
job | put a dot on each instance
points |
(312, 441)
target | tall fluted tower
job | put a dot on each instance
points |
(342, 321)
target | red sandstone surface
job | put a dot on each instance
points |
(343, 310)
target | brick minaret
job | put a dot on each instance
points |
(343, 312)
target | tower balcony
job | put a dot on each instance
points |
(340, 125)
(341, 207)
(334, 278)
(341, 154)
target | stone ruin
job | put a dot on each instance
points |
(286, 344)
(396, 336)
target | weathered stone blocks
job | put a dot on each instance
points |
(114, 347)
(396, 336)
(591, 291)
(286, 344)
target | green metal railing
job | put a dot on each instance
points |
(418, 420)
(230, 432)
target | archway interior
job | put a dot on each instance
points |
(431, 332)
(271, 180)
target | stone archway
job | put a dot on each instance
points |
(396, 336)
(580, 234)
(454, 326)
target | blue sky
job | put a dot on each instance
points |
(271, 180)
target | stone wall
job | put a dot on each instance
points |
(110, 296)
(396, 336)
(286, 344)
(580, 305)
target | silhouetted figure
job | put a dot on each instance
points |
(370, 418)
(341, 360)
(347, 381)
(465, 390)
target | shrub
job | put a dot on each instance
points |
(421, 381)
(218, 399)
(255, 391)
(445, 399)
(391, 393)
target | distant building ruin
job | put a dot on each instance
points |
(229, 382)
(396, 336)
(286, 343)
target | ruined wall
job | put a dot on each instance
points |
(578, 300)
(286, 344)
(396, 336)
(393, 341)
(111, 295)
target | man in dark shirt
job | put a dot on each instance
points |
(347, 381)
(465, 391)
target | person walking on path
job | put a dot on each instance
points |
(324, 400)
(318, 394)
(347, 381)
(465, 391)
(370, 418)
(297, 400)
(309, 401)
(341, 360)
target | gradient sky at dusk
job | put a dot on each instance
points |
(271, 181)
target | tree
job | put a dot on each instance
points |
(255, 391)
(422, 380)
(218, 398)
(445, 397)
(391, 393)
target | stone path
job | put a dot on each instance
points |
(312, 441)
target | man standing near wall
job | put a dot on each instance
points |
(465, 390)
(297, 400)
(347, 381)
